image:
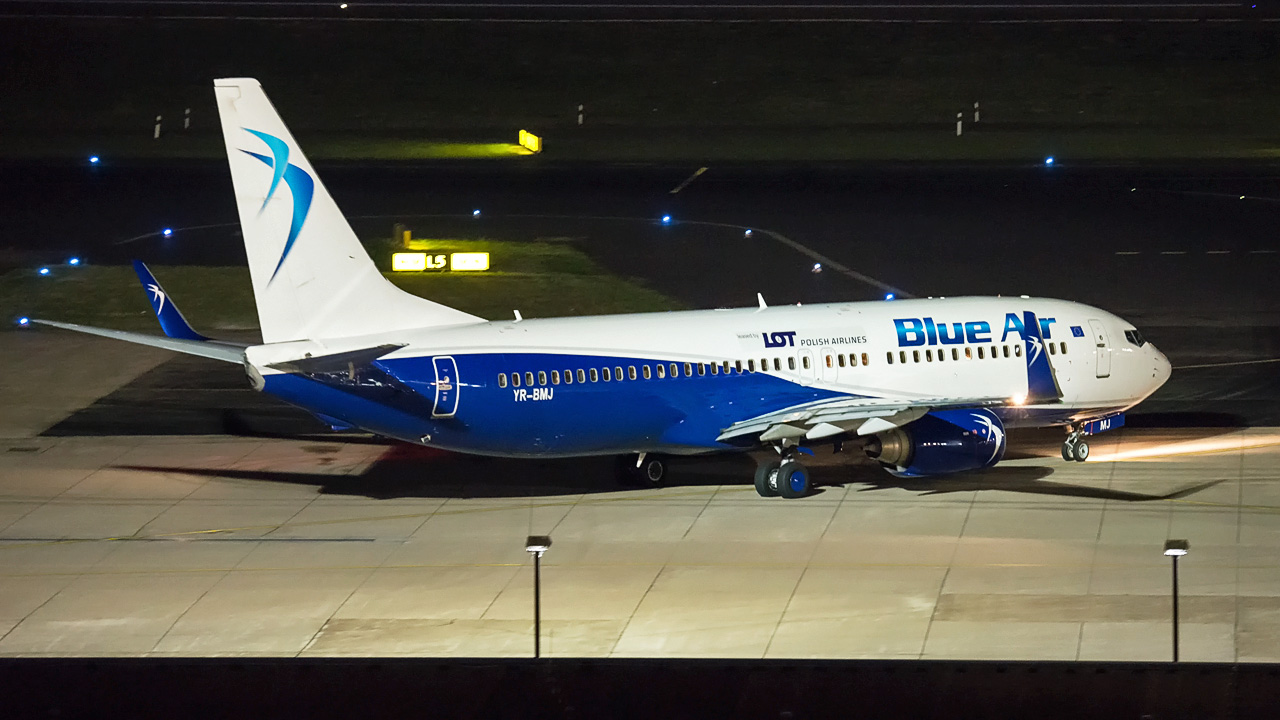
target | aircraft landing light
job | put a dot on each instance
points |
(166, 232)
(24, 321)
(43, 271)
(73, 261)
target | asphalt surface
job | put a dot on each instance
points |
(1188, 254)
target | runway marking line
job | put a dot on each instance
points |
(1128, 252)
(691, 178)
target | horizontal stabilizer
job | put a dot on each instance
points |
(212, 349)
(337, 362)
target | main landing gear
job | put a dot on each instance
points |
(784, 477)
(645, 471)
(1075, 447)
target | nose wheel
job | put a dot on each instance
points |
(1075, 447)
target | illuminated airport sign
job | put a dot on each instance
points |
(458, 262)
(530, 142)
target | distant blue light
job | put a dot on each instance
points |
(44, 271)
(166, 232)
(1048, 160)
(666, 219)
(475, 213)
(73, 261)
(747, 233)
(24, 321)
(93, 159)
(889, 296)
(817, 267)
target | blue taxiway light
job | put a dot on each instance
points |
(166, 232)
(888, 296)
(43, 271)
(475, 213)
(666, 219)
(1048, 160)
(93, 159)
(24, 321)
(73, 261)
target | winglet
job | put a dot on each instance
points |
(171, 320)
(1042, 384)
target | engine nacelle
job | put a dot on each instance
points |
(941, 442)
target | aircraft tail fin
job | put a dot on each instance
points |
(1042, 384)
(311, 277)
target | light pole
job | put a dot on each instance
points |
(535, 545)
(1175, 549)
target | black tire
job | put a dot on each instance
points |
(767, 478)
(1068, 452)
(793, 481)
(1081, 451)
(652, 472)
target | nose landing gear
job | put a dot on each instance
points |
(1075, 447)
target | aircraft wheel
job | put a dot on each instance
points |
(650, 473)
(1068, 451)
(793, 480)
(767, 478)
(1081, 451)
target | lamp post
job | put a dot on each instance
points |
(535, 545)
(1175, 549)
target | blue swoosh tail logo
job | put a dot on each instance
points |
(300, 183)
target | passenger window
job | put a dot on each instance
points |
(662, 371)
(764, 364)
(805, 361)
(502, 379)
(631, 372)
(608, 376)
(777, 364)
(675, 370)
(1017, 350)
(528, 378)
(751, 365)
(644, 370)
(725, 365)
(980, 355)
(853, 360)
(915, 355)
(688, 369)
(715, 369)
(1053, 350)
(582, 376)
(1063, 346)
(568, 377)
(617, 373)
(737, 365)
(902, 356)
(928, 355)
(595, 376)
(1006, 351)
(840, 359)
(888, 357)
(968, 353)
(542, 377)
(515, 379)
(866, 359)
(827, 359)
(702, 369)
(942, 355)
(555, 377)
(791, 363)
(955, 353)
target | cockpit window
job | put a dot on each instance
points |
(1135, 337)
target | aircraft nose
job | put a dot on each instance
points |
(1162, 368)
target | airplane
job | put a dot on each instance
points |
(927, 386)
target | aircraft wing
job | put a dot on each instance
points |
(855, 416)
(212, 349)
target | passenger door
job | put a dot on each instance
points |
(807, 370)
(1103, 346)
(446, 387)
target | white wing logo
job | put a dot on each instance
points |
(157, 296)
(993, 432)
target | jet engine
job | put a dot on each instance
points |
(941, 442)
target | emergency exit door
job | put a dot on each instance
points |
(446, 387)
(1102, 345)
